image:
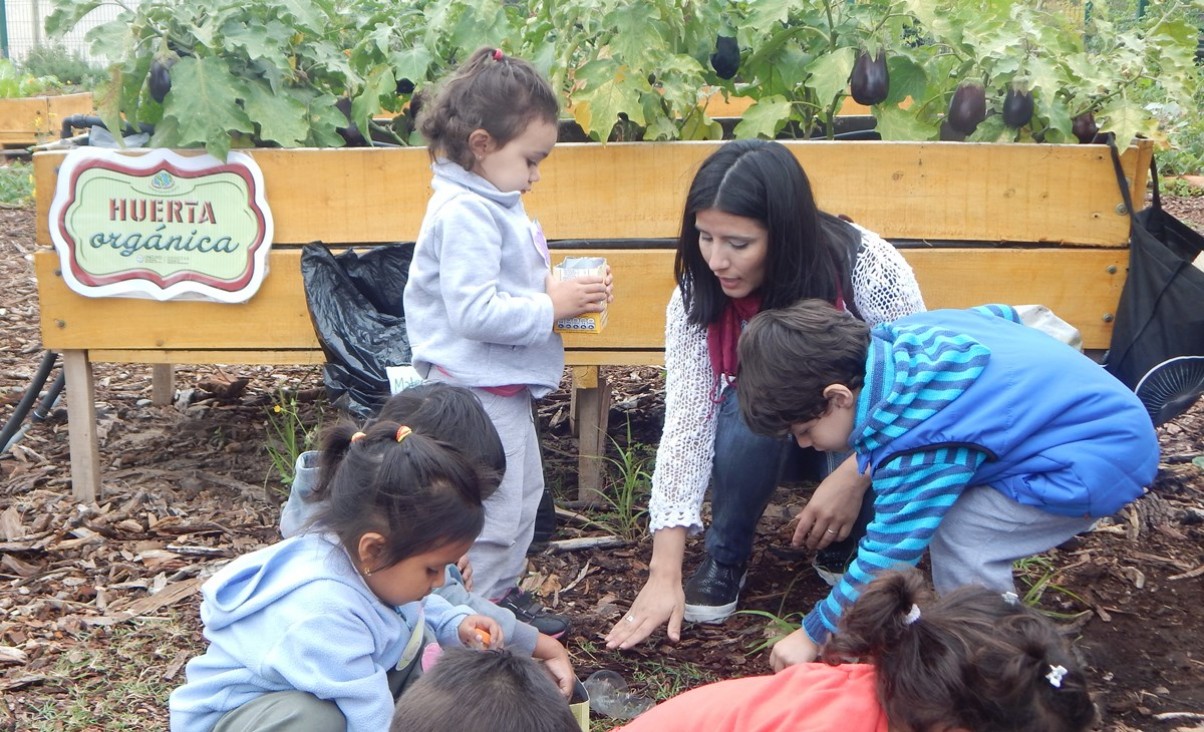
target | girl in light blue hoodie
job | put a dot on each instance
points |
(322, 630)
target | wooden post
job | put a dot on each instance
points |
(81, 426)
(162, 384)
(590, 412)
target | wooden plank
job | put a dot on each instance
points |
(585, 377)
(294, 357)
(23, 120)
(30, 120)
(1082, 286)
(65, 105)
(276, 318)
(576, 357)
(1076, 283)
(903, 190)
(83, 442)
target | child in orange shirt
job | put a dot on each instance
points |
(971, 660)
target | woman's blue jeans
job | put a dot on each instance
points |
(747, 469)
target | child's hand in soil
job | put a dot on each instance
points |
(793, 649)
(556, 662)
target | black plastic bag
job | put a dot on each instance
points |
(1161, 311)
(355, 304)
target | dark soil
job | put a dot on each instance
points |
(190, 485)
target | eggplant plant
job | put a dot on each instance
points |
(221, 74)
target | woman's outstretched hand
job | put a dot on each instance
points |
(660, 600)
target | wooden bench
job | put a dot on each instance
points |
(27, 121)
(979, 223)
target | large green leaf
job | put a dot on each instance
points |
(765, 15)
(66, 14)
(897, 124)
(411, 63)
(210, 111)
(260, 42)
(1125, 119)
(280, 117)
(597, 109)
(829, 74)
(638, 30)
(764, 118)
(324, 120)
(308, 16)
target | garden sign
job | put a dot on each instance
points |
(160, 224)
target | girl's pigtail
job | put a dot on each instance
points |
(333, 446)
(880, 622)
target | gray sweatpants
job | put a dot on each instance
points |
(985, 532)
(499, 555)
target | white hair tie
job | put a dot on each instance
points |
(912, 615)
(1055, 676)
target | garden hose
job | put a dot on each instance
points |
(10, 434)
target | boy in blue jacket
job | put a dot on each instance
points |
(986, 441)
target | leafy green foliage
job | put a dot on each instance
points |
(630, 486)
(269, 73)
(16, 184)
(68, 67)
(288, 436)
(15, 83)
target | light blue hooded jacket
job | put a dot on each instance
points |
(297, 615)
(475, 302)
(299, 511)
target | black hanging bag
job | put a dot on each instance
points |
(355, 305)
(1161, 311)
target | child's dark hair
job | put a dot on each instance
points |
(810, 252)
(789, 355)
(490, 91)
(420, 493)
(971, 659)
(483, 691)
(455, 415)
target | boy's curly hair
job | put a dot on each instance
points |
(789, 355)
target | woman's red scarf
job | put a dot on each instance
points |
(724, 333)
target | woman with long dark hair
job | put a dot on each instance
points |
(752, 238)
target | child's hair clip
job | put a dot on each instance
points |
(912, 615)
(1055, 676)
(403, 432)
(1011, 598)
(497, 54)
(358, 436)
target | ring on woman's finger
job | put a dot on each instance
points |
(630, 618)
(830, 531)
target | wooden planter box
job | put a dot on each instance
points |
(33, 120)
(979, 223)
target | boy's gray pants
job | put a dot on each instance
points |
(985, 532)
